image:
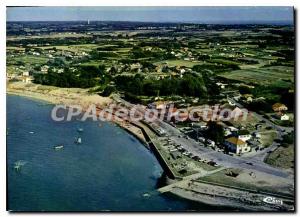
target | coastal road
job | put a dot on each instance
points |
(206, 153)
(198, 149)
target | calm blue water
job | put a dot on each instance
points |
(110, 170)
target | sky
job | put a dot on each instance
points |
(154, 14)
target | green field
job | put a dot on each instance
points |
(73, 48)
(185, 63)
(265, 75)
(282, 157)
(29, 59)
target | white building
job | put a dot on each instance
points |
(27, 79)
(26, 73)
(284, 117)
(256, 135)
(243, 135)
(236, 145)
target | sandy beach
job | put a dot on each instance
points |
(56, 95)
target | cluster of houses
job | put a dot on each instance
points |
(159, 71)
(280, 110)
(236, 140)
(24, 77)
(23, 73)
(200, 113)
(184, 54)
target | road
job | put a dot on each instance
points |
(261, 155)
(206, 153)
(223, 159)
(189, 178)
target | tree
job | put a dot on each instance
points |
(108, 90)
(215, 132)
(288, 138)
(91, 71)
(192, 86)
(37, 68)
(244, 90)
(288, 98)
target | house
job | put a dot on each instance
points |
(222, 85)
(201, 125)
(232, 129)
(44, 69)
(284, 117)
(227, 132)
(249, 99)
(236, 145)
(26, 73)
(27, 79)
(256, 135)
(36, 53)
(60, 70)
(243, 135)
(160, 105)
(278, 107)
(135, 66)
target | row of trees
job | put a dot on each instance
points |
(189, 85)
(138, 52)
(84, 77)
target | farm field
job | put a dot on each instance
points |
(30, 59)
(172, 63)
(265, 75)
(282, 157)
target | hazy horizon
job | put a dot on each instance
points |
(205, 15)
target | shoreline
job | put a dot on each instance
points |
(29, 97)
(131, 129)
(56, 95)
(42, 97)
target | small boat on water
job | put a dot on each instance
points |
(80, 130)
(146, 195)
(78, 140)
(18, 165)
(58, 147)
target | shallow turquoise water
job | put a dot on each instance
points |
(110, 170)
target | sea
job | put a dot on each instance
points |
(110, 170)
